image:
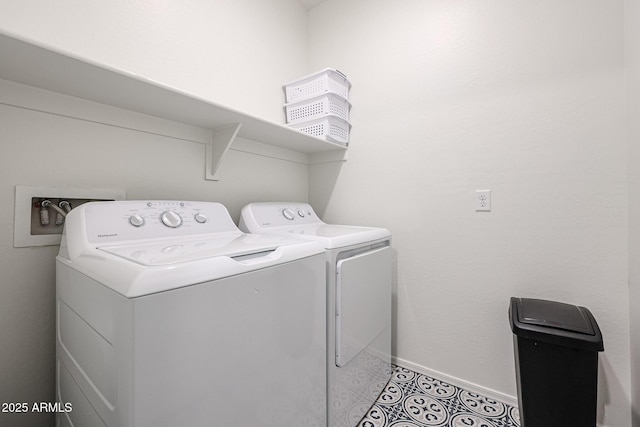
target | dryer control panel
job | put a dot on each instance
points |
(267, 214)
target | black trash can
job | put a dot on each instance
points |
(556, 349)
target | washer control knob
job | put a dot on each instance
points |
(288, 213)
(136, 220)
(200, 218)
(171, 219)
(300, 213)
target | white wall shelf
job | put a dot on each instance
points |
(33, 65)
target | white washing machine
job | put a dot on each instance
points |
(359, 278)
(168, 315)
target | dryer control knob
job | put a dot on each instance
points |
(136, 220)
(171, 219)
(288, 213)
(200, 218)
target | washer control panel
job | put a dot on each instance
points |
(269, 214)
(132, 220)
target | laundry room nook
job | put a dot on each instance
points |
(493, 152)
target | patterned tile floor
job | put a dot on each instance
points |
(415, 400)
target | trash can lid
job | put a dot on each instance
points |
(556, 323)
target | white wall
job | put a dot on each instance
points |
(524, 98)
(197, 46)
(212, 49)
(632, 27)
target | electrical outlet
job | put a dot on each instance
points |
(37, 220)
(483, 200)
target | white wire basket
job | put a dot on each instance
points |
(330, 127)
(319, 83)
(318, 107)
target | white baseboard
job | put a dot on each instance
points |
(483, 391)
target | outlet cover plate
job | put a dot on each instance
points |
(483, 200)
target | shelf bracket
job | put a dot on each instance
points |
(221, 139)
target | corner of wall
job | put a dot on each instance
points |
(632, 67)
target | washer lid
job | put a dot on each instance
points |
(174, 251)
(135, 270)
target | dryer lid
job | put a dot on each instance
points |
(299, 219)
(333, 236)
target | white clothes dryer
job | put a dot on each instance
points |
(359, 279)
(168, 315)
